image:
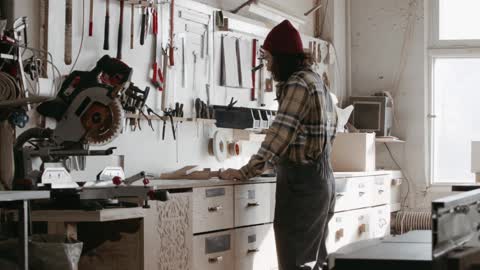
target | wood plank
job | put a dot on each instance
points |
(88, 216)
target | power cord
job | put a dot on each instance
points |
(404, 174)
(81, 41)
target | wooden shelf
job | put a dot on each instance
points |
(166, 118)
(388, 140)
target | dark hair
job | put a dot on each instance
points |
(284, 65)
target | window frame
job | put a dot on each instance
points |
(435, 49)
(434, 31)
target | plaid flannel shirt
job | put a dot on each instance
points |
(306, 117)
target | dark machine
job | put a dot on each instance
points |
(453, 243)
(89, 110)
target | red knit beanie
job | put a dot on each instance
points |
(284, 39)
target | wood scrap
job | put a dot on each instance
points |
(190, 173)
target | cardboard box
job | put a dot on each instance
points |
(354, 152)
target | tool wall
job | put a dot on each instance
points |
(203, 53)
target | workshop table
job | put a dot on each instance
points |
(24, 197)
(412, 250)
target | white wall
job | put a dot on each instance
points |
(144, 150)
(378, 32)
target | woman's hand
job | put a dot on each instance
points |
(231, 174)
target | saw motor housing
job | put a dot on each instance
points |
(89, 110)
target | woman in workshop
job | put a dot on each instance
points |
(298, 144)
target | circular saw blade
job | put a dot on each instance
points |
(103, 123)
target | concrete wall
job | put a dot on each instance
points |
(379, 29)
(145, 150)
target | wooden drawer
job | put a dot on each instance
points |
(361, 225)
(214, 251)
(338, 231)
(255, 248)
(212, 209)
(348, 227)
(381, 190)
(353, 193)
(252, 204)
(380, 221)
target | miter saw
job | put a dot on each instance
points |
(89, 110)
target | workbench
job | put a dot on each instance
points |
(409, 251)
(235, 217)
(24, 197)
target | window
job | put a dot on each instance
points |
(453, 89)
(459, 20)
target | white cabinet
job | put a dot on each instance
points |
(353, 193)
(214, 251)
(252, 204)
(348, 227)
(380, 221)
(255, 248)
(381, 189)
(212, 209)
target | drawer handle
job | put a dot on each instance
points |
(381, 191)
(255, 250)
(361, 194)
(362, 228)
(339, 195)
(339, 234)
(215, 208)
(254, 204)
(215, 260)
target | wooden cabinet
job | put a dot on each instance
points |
(380, 221)
(255, 248)
(353, 193)
(212, 209)
(214, 251)
(252, 204)
(381, 190)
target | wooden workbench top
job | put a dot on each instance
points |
(183, 183)
(103, 215)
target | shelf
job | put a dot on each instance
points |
(166, 118)
(388, 140)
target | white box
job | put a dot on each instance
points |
(353, 152)
(475, 157)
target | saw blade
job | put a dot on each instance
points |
(103, 123)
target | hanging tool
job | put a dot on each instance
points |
(168, 113)
(184, 67)
(207, 88)
(254, 63)
(107, 26)
(90, 23)
(172, 23)
(156, 70)
(194, 82)
(178, 112)
(132, 20)
(164, 76)
(120, 30)
(143, 26)
(261, 89)
(68, 32)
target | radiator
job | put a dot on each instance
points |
(410, 221)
